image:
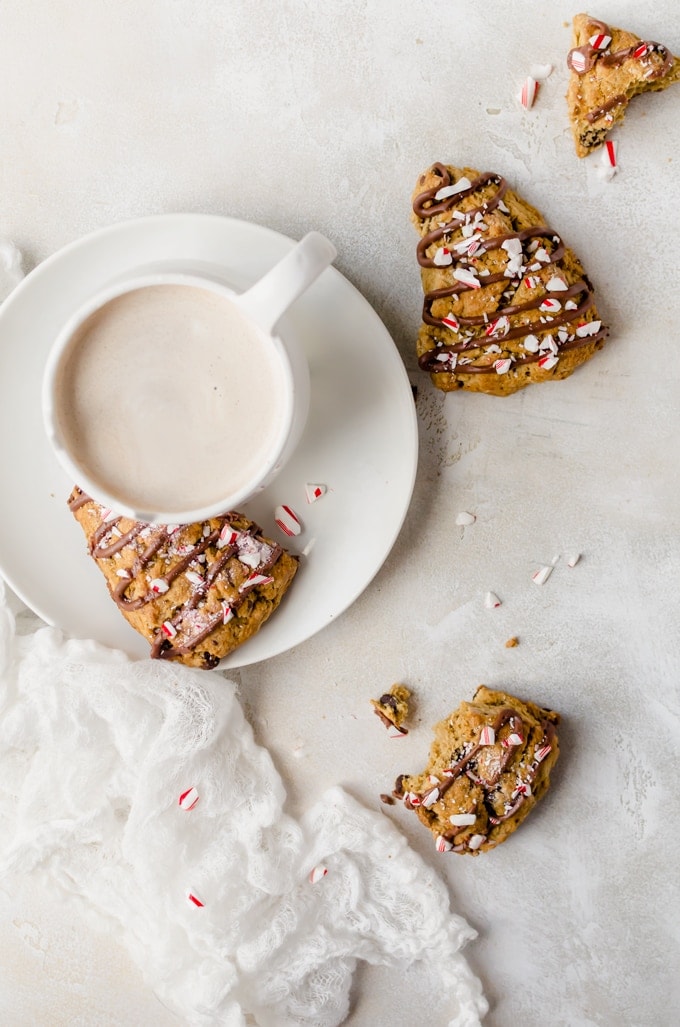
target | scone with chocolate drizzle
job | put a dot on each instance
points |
(195, 591)
(609, 66)
(489, 764)
(506, 302)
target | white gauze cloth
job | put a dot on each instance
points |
(95, 751)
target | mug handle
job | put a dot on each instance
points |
(270, 297)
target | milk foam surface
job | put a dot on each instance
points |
(170, 399)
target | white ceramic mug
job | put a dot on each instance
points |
(169, 398)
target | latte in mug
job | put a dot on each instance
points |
(168, 397)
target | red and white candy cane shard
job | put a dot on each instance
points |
(314, 491)
(531, 344)
(476, 841)
(511, 740)
(640, 51)
(502, 366)
(188, 799)
(443, 257)
(317, 873)
(491, 601)
(548, 362)
(287, 520)
(541, 575)
(577, 60)
(550, 305)
(463, 819)
(168, 629)
(194, 577)
(159, 586)
(600, 42)
(487, 736)
(256, 579)
(573, 559)
(522, 789)
(396, 732)
(529, 92)
(195, 899)
(443, 844)
(531, 281)
(414, 798)
(610, 152)
(122, 573)
(227, 537)
(430, 798)
(589, 328)
(466, 276)
(556, 284)
(450, 322)
(499, 327)
(542, 752)
(494, 820)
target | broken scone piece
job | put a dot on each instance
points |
(194, 591)
(506, 303)
(392, 708)
(610, 66)
(489, 764)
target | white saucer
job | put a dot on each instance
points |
(361, 440)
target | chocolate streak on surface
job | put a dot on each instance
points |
(428, 360)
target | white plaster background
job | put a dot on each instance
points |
(302, 115)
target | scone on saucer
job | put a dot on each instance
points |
(195, 591)
(489, 765)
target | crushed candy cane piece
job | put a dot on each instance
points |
(511, 740)
(600, 42)
(556, 284)
(314, 491)
(529, 92)
(443, 844)
(317, 873)
(195, 899)
(548, 362)
(639, 51)
(443, 257)
(541, 71)
(531, 344)
(487, 736)
(122, 573)
(188, 799)
(502, 366)
(159, 586)
(577, 61)
(451, 190)
(227, 612)
(499, 327)
(466, 276)
(462, 819)
(227, 537)
(463, 519)
(430, 798)
(542, 574)
(168, 629)
(531, 282)
(550, 305)
(542, 752)
(589, 328)
(450, 322)
(413, 798)
(256, 579)
(194, 577)
(609, 152)
(573, 559)
(287, 520)
(476, 841)
(491, 601)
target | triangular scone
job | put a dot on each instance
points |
(610, 66)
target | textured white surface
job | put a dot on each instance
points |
(302, 115)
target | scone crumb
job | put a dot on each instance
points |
(512, 643)
(392, 708)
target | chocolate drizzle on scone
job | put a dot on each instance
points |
(529, 300)
(220, 565)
